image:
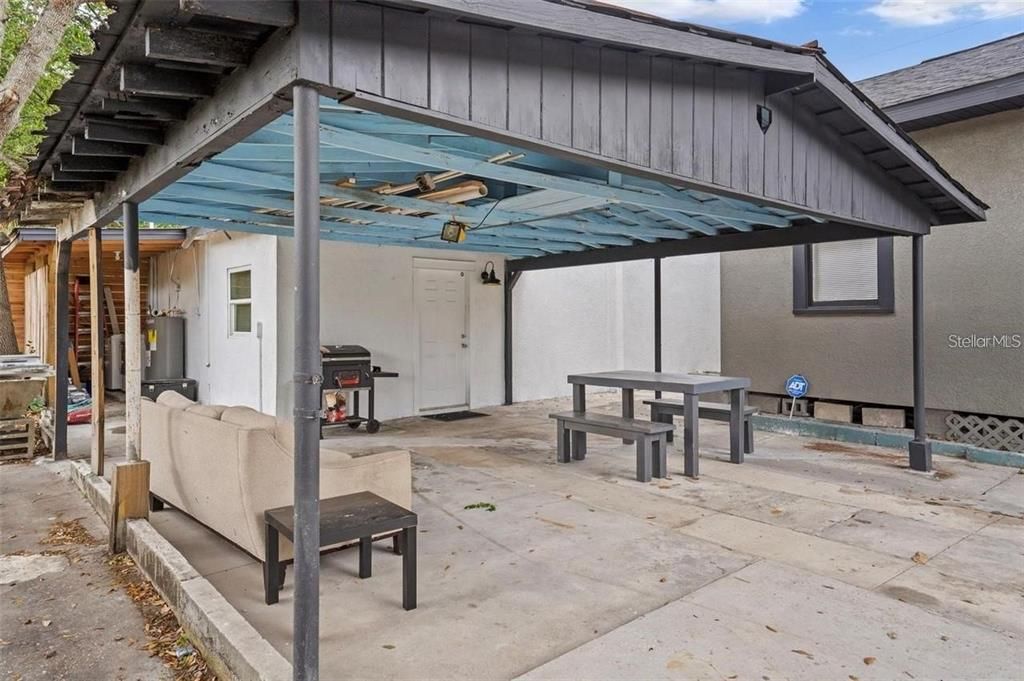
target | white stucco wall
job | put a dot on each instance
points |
(571, 320)
(601, 317)
(366, 298)
(227, 367)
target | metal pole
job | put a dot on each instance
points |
(657, 320)
(61, 364)
(132, 333)
(306, 645)
(510, 283)
(920, 448)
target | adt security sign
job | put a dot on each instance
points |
(796, 386)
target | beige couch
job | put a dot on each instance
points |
(225, 466)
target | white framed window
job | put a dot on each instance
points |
(239, 300)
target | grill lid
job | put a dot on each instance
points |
(344, 352)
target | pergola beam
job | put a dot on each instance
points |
(92, 164)
(146, 109)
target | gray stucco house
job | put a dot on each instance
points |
(840, 313)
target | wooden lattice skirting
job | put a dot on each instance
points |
(991, 432)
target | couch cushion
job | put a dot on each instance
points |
(174, 400)
(249, 418)
(211, 411)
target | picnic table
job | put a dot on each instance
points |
(691, 386)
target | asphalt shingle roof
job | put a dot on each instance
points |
(981, 64)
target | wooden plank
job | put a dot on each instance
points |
(703, 121)
(123, 132)
(194, 47)
(108, 296)
(721, 164)
(800, 152)
(489, 76)
(524, 84)
(638, 109)
(143, 110)
(96, 296)
(586, 98)
(356, 47)
(682, 118)
(278, 13)
(405, 70)
(150, 81)
(129, 498)
(556, 87)
(742, 125)
(449, 67)
(612, 118)
(76, 378)
(772, 143)
(783, 104)
(661, 114)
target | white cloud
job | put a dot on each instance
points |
(935, 12)
(855, 32)
(764, 11)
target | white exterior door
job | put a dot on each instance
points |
(442, 378)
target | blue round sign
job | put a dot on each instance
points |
(796, 385)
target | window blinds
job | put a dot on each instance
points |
(845, 270)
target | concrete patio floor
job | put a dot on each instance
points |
(798, 564)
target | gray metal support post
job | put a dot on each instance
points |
(510, 283)
(657, 320)
(920, 448)
(61, 364)
(306, 632)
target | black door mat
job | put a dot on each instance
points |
(455, 416)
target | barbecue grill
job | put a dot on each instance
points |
(347, 371)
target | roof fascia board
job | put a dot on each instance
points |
(572, 22)
(764, 238)
(244, 102)
(897, 140)
(401, 110)
(956, 100)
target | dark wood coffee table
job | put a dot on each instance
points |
(344, 519)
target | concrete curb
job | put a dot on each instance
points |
(231, 646)
(881, 438)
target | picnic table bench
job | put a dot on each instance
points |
(650, 438)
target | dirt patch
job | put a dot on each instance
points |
(69, 533)
(167, 640)
(831, 447)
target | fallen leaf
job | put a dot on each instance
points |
(771, 628)
(663, 580)
(891, 634)
(388, 646)
(869, 660)
(776, 511)
(804, 653)
(919, 558)
(47, 623)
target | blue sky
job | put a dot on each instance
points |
(862, 37)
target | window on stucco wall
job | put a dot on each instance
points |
(843, 277)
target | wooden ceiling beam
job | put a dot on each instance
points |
(279, 13)
(83, 147)
(93, 164)
(139, 79)
(194, 47)
(146, 109)
(60, 175)
(109, 131)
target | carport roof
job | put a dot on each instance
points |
(549, 205)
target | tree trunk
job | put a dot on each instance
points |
(31, 60)
(8, 339)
